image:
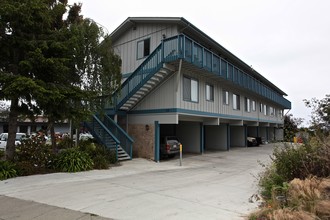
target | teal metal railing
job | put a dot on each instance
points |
(200, 56)
(183, 47)
(125, 140)
(102, 134)
(138, 78)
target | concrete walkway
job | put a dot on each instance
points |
(215, 185)
(11, 208)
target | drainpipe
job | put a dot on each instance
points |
(178, 75)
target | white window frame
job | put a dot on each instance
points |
(225, 97)
(143, 48)
(247, 105)
(253, 105)
(209, 92)
(236, 102)
(271, 111)
(191, 93)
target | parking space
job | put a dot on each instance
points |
(214, 185)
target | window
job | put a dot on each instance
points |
(265, 109)
(236, 102)
(209, 92)
(225, 97)
(261, 107)
(253, 105)
(247, 105)
(271, 111)
(143, 48)
(281, 113)
(190, 89)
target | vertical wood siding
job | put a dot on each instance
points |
(217, 105)
(126, 46)
(163, 96)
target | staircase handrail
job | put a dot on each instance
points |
(119, 98)
(106, 129)
(126, 142)
(176, 47)
(120, 129)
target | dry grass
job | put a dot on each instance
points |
(323, 209)
(305, 199)
(287, 214)
(311, 195)
(304, 194)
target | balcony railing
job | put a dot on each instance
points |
(183, 47)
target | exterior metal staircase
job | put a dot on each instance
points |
(107, 132)
(146, 88)
(145, 78)
(151, 73)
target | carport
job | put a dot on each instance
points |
(199, 134)
(216, 137)
(189, 133)
(190, 130)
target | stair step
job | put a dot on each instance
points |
(149, 85)
(107, 135)
(124, 158)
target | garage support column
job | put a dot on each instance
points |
(157, 141)
(258, 131)
(228, 137)
(201, 138)
(267, 134)
(245, 134)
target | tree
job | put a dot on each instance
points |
(19, 31)
(320, 113)
(40, 59)
(95, 62)
(4, 111)
(291, 125)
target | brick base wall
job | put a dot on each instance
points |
(144, 138)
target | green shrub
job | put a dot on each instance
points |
(295, 161)
(2, 154)
(88, 146)
(101, 155)
(269, 180)
(100, 162)
(73, 160)
(301, 161)
(33, 157)
(65, 143)
(25, 168)
(7, 170)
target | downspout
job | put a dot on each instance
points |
(178, 75)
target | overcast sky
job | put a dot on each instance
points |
(287, 41)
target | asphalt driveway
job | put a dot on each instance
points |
(215, 185)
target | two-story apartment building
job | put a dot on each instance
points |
(178, 81)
